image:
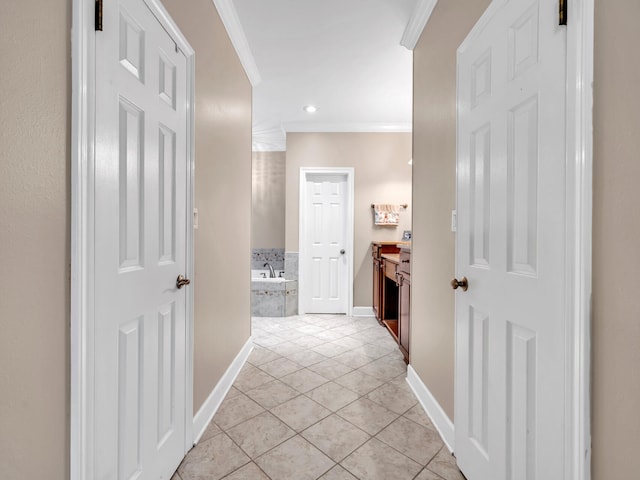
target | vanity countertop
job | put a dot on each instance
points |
(393, 242)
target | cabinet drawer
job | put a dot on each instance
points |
(405, 262)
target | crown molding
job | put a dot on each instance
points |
(269, 140)
(417, 22)
(355, 127)
(273, 147)
(275, 139)
(231, 21)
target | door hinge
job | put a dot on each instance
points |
(99, 15)
(563, 12)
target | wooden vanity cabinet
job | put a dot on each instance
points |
(392, 290)
(381, 305)
(377, 268)
(404, 302)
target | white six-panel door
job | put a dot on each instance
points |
(140, 246)
(324, 257)
(510, 324)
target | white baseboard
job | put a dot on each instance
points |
(432, 408)
(212, 403)
(363, 312)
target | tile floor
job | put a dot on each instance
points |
(321, 397)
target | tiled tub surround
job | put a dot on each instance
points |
(272, 297)
(274, 256)
(321, 397)
(291, 265)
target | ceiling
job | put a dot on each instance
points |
(343, 56)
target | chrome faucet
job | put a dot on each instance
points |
(272, 273)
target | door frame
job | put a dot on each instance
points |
(83, 106)
(305, 172)
(578, 231)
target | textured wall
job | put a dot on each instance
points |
(223, 195)
(268, 199)
(434, 194)
(382, 175)
(34, 238)
(616, 234)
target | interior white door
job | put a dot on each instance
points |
(140, 246)
(510, 324)
(324, 233)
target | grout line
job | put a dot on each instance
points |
(266, 451)
(321, 322)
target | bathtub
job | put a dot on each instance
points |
(273, 297)
(270, 280)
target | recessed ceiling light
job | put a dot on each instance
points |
(310, 108)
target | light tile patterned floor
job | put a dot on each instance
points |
(321, 397)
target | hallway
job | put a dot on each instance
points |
(321, 397)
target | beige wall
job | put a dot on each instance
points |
(268, 194)
(34, 238)
(382, 175)
(35, 212)
(616, 235)
(434, 168)
(223, 195)
(616, 227)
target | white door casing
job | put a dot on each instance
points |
(326, 241)
(133, 385)
(511, 244)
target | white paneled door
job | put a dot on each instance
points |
(140, 246)
(324, 281)
(510, 323)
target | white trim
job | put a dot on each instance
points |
(82, 236)
(231, 21)
(432, 408)
(304, 172)
(214, 400)
(82, 134)
(363, 312)
(363, 127)
(580, 46)
(190, 239)
(419, 18)
(268, 146)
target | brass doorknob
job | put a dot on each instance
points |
(181, 281)
(463, 284)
